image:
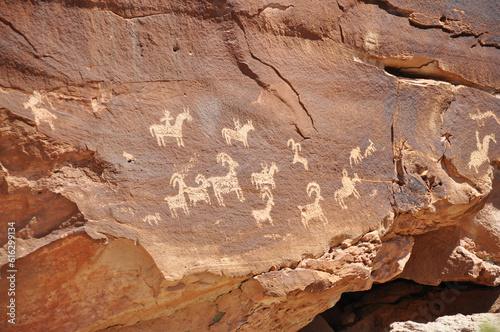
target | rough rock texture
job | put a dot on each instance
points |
(458, 323)
(403, 300)
(238, 165)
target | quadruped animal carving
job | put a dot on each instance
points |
(479, 156)
(200, 193)
(239, 133)
(348, 188)
(223, 185)
(41, 113)
(150, 219)
(178, 201)
(313, 210)
(265, 213)
(296, 158)
(170, 129)
(266, 176)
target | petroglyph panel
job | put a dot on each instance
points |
(348, 188)
(313, 210)
(178, 201)
(223, 185)
(480, 156)
(41, 113)
(266, 176)
(264, 214)
(296, 148)
(152, 219)
(239, 133)
(169, 129)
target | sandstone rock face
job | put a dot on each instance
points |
(477, 322)
(238, 165)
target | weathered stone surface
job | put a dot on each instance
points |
(401, 300)
(477, 322)
(242, 162)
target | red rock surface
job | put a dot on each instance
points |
(228, 165)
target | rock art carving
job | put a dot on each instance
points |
(313, 210)
(177, 201)
(479, 156)
(481, 116)
(266, 176)
(296, 158)
(150, 219)
(239, 133)
(41, 113)
(264, 214)
(347, 189)
(225, 184)
(200, 193)
(355, 156)
(170, 129)
(370, 149)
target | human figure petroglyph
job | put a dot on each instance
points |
(177, 201)
(313, 210)
(481, 116)
(226, 184)
(370, 149)
(41, 113)
(266, 176)
(150, 219)
(479, 156)
(240, 133)
(200, 193)
(355, 156)
(170, 129)
(296, 147)
(264, 214)
(348, 188)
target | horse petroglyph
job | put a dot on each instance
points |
(481, 116)
(296, 148)
(313, 210)
(225, 184)
(347, 189)
(266, 176)
(150, 219)
(264, 214)
(200, 193)
(170, 129)
(479, 156)
(177, 201)
(41, 113)
(239, 133)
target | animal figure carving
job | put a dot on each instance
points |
(355, 156)
(200, 193)
(41, 113)
(168, 129)
(239, 133)
(296, 158)
(479, 156)
(370, 149)
(266, 176)
(150, 219)
(347, 189)
(313, 210)
(177, 201)
(223, 185)
(481, 116)
(264, 214)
